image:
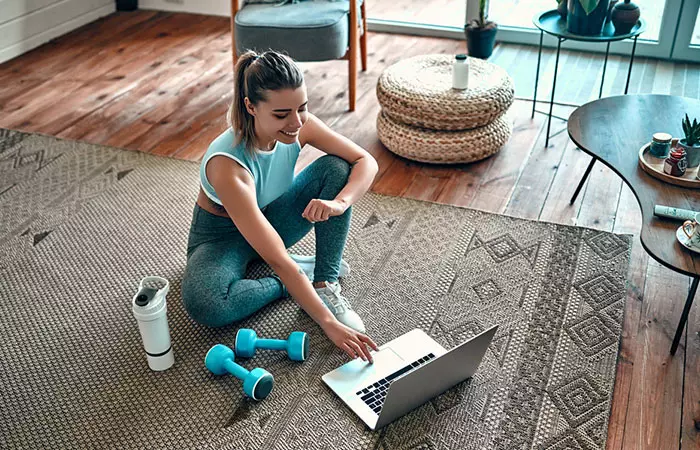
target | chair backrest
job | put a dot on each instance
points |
(236, 6)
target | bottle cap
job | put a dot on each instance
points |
(461, 57)
(149, 303)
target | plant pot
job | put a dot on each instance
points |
(577, 22)
(480, 41)
(562, 9)
(692, 153)
(127, 5)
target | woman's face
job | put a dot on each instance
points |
(280, 117)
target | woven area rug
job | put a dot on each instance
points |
(81, 224)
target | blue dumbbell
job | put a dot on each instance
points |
(296, 346)
(257, 383)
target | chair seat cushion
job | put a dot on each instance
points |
(313, 30)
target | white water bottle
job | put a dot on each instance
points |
(460, 72)
(150, 309)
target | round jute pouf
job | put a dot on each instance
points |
(418, 91)
(445, 147)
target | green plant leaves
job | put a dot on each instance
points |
(589, 5)
(691, 131)
(483, 11)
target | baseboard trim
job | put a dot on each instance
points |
(38, 39)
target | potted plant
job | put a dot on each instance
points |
(481, 33)
(586, 17)
(691, 142)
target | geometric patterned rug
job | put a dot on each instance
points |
(81, 225)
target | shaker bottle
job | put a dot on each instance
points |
(149, 308)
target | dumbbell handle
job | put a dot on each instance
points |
(235, 370)
(271, 344)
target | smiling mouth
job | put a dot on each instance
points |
(289, 134)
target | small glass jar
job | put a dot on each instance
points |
(660, 145)
(676, 163)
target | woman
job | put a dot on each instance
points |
(250, 205)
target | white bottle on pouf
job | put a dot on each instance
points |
(460, 72)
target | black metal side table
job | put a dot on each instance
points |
(550, 22)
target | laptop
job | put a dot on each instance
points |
(407, 372)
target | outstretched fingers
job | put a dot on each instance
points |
(361, 350)
(366, 339)
(355, 348)
(349, 350)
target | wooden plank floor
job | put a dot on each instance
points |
(161, 82)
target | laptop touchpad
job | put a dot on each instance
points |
(359, 372)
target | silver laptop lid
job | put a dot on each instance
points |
(418, 386)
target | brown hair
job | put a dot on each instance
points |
(253, 75)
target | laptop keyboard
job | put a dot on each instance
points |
(374, 394)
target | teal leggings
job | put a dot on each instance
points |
(214, 290)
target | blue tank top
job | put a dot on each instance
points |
(272, 171)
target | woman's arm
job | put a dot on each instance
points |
(364, 166)
(236, 190)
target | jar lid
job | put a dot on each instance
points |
(678, 153)
(662, 137)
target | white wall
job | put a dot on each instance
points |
(26, 24)
(211, 7)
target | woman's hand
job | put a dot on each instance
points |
(350, 341)
(320, 210)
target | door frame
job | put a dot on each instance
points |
(683, 50)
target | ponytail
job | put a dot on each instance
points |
(253, 75)
(238, 117)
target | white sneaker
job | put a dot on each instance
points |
(340, 307)
(308, 264)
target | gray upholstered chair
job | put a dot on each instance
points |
(311, 30)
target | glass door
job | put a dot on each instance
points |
(439, 18)
(447, 13)
(673, 28)
(687, 43)
(515, 25)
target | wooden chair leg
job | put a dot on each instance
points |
(234, 11)
(352, 66)
(363, 38)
